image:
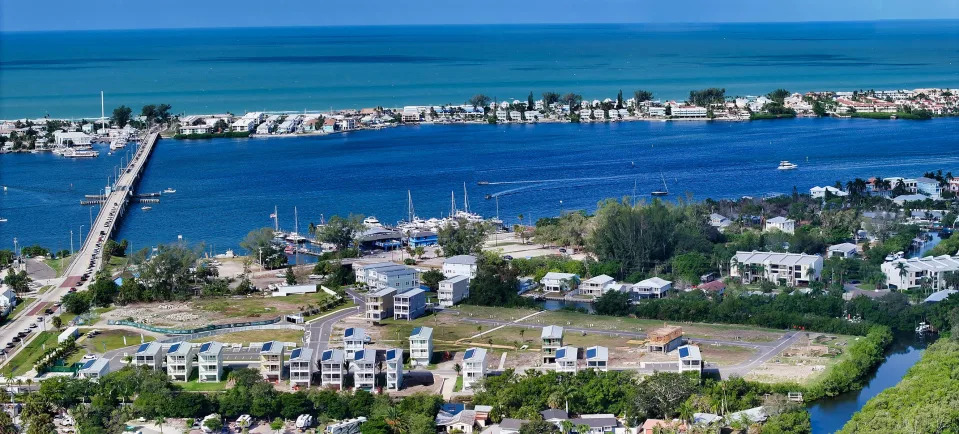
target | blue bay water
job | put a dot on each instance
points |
(227, 187)
(215, 70)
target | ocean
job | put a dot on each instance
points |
(61, 74)
(227, 187)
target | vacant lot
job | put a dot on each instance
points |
(804, 361)
(106, 340)
(256, 336)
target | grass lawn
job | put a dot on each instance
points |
(28, 356)
(21, 306)
(459, 384)
(59, 264)
(104, 341)
(346, 305)
(45, 289)
(256, 336)
(196, 386)
(116, 263)
(252, 307)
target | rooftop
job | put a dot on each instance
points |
(461, 259)
(690, 352)
(776, 258)
(272, 347)
(475, 355)
(597, 353)
(334, 355)
(552, 332)
(211, 348)
(422, 333)
(149, 348)
(302, 354)
(354, 333)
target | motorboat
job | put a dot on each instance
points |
(3, 219)
(169, 191)
(79, 153)
(785, 165)
(923, 328)
(146, 208)
(371, 221)
(664, 191)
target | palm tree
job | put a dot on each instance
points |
(394, 418)
(903, 272)
(457, 368)
(582, 428)
(686, 412)
(160, 420)
(566, 426)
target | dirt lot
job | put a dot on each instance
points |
(804, 361)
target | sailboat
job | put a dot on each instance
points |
(664, 191)
(465, 212)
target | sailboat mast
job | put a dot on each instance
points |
(296, 240)
(466, 201)
(409, 197)
(276, 220)
(452, 204)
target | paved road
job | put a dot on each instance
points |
(320, 330)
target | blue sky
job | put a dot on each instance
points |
(25, 15)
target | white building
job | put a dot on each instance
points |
(409, 305)
(94, 369)
(179, 361)
(394, 369)
(792, 269)
(75, 138)
(597, 358)
(909, 273)
(379, 304)
(332, 368)
(148, 354)
(596, 286)
(719, 221)
(843, 250)
(782, 224)
(820, 192)
(552, 338)
(271, 360)
(386, 275)
(566, 359)
(690, 359)
(195, 129)
(8, 299)
(559, 282)
(421, 346)
(474, 366)
(354, 339)
(689, 112)
(210, 362)
(460, 265)
(301, 367)
(364, 369)
(453, 290)
(654, 287)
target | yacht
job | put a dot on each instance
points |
(785, 165)
(146, 208)
(118, 143)
(923, 327)
(169, 191)
(371, 221)
(3, 219)
(77, 153)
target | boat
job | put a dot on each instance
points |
(79, 153)
(482, 183)
(371, 221)
(3, 219)
(785, 165)
(664, 191)
(923, 328)
(146, 208)
(169, 191)
(118, 143)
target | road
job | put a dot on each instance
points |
(320, 330)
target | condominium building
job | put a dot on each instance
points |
(597, 358)
(179, 361)
(301, 367)
(409, 305)
(364, 369)
(421, 346)
(904, 274)
(394, 369)
(149, 355)
(332, 368)
(271, 361)
(474, 366)
(792, 269)
(552, 337)
(354, 339)
(453, 290)
(379, 304)
(460, 265)
(210, 362)
(566, 359)
(387, 274)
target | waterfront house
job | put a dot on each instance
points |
(243, 125)
(690, 359)
(379, 305)
(599, 114)
(460, 265)
(559, 282)
(597, 285)
(301, 367)
(502, 115)
(354, 339)
(531, 115)
(656, 111)
(842, 250)
(792, 269)
(412, 114)
(474, 366)
(271, 360)
(421, 346)
(332, 368)
(8, 299)
(364, 369)
(566, 359)
(689, 112)
(409, 305)
(903, 274)
(94, 369)
(820, 192)
(210, 362)
(196, 129)
(552, 337)
(719, 221)
(329, 125)
(422, 238)
(148, 354)
(453, 290)
(929, 187)
(346, 124)
(515, 116)
(179, 361)
(394, 369)
(613, 115)
(654, 287)
(781, 224)
(597, 358)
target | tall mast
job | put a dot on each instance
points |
(102, 112)
(276, 220)
(452, 204)
(296, 240)
(409, 197)
(497, 207)
(466, 200)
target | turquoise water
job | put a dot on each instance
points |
(215, 70)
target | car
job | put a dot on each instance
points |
(11, 344)
(15, 339)
(88, 357)
(48, 311)
(33, 326)
(562, 250)
(508, 257)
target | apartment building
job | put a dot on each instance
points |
(148, 354)
(364, 369)
(210, 362)
(421, 346)
(453, 290)
(409, 305)
(301, 367)
(394, 369)
(271, 360)
(379, 305)
(792, 269)
(332, 368)
(179, 361)
(552, 337)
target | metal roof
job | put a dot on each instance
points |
(366, 356)
(149, 348)
(475, 354)
(394, 353)
(461, 259)
(354, 333)
(211, 348)
(552, 332)
(272, 347)
(690, 352)
(334, 355)
(597, 353)
(567, 353)
(422, 333)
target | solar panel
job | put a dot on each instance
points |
(358, 355)
(327, 354)
(684, 352)
(175, 347)
(295, 353)
(89, 363)
(469, 354)
(205, 347)
(416, 331)
(267, 346)
(391, 354)
(560, 353)
(590, 353)
(349, 332)
(142, 348)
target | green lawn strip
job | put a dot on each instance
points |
(249, 336)
(21, 306)
(195, 386)
(458, 386)
(45, 289)
(347, 305)
(105, 340)
(59, 265)
(28, 355)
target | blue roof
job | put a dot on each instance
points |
(590, 353)
(295, 353)
(267, 346)
(175, 347)
(204, 347)
(560, 353)
(327, 354)
(358, 355)
(142, 347)
(349, 332)
(416, 331)
(469, 354)
(88, 364)
(683, 352)
(391, 354)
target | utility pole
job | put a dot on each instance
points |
(71, 241)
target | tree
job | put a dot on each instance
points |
(121, 116)
(159, 422)
(778, 95)
(431, 278)
(660, 394)
(529, 101)
(707, 97)
(277, 424)
(57, 322)
(41, 423)
(214, 424)
(619, 100)
(290, 277)
(103, 291)
(615, 303)
(572, 100)
(479, 100)
(549, 98)
(259, 243)
(461, 238)
(642, 96)
(341, 232)
(6, 424)
(18, 281)
(540, 427)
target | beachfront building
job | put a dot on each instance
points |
(597, 358)
(409, 305)
(196, 129)
(842, 250)
(821, 192)
(210, 362)
(271, 360)
(332, 368)
(179, 361)
(596, 286)
(903, 274)
(379, 305)
(149, 355)
(474, 366)
(654, 287)
(94, 369)
(394, 369)
(689, 111)
(552, 337)
(301, 367)
(559, 282)
(354, 339)
(566, 359)
(364, 369)
(453, 290)
(791, 269)
(421, 346)
(460, 265)
(781, 224)
(690, 359)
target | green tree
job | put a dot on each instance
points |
(18, 281)
(642, 96)
(550, 98)
(661, 394)
(6, 424)
(290, 277)
(539, 427)
(479, 100)
(778, 95)
(277, 425)
(341, 232)
(259, 243)
(431, 278)
(529, 101)
(463, 238)
(103, 291)
(121, 116)
(615, 303)
(214, 424)
(57, 322)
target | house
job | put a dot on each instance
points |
(482, 414)
(715, 287)
(242, 125)
(511, 426)
(938, 296)
(690, 359)
(719, 221)
(552, 337)
(422, 239)
(354, 339)
(94, 369)
(421, 346)
(874, 294)
(781, 224)
(195, 129)
(664, 339)
(559, 282)
(210, 362)
(843, 250)
(597, 358)
(456, 418)
(792, 269)
(401, 277)
(364, 369)
(566, 359)
(409, 305)
(909, 273)
(271, 360)
(654, 287)
(751, 416)
(453, 290)
(283, 290)
(554, 416)
(179, 361)
(818, 192)
(329, 125)
(596, 286)
(379, 305)
(8, 299)
(332, 368)
(597, 423)
(901, 200)
(394, 369)
(929, 187)
(656, 426)
(148, 354)
(301, 367)
(689, 112)
(411, 114)
(460, 265)
(474, 366)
